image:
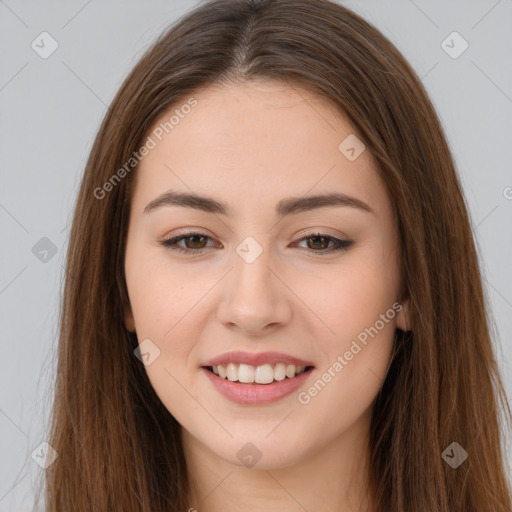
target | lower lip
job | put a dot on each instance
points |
(254, 394)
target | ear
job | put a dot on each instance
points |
(403, 319)
(129, 321)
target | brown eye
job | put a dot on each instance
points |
(194, 242)
(320, 243)
(317, 243)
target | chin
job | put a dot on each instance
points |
(259, 453)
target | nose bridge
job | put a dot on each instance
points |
(254, 297)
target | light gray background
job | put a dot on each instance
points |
(51, 109)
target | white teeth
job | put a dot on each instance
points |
(246, 373)
(280, 371)
(232, 371)
(263, 374)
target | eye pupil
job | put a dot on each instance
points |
(323, 238)
(195, 237)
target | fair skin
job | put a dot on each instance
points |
(251, 145)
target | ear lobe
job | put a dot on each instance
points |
(129, 321)
(403, 320)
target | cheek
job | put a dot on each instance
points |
(162, 301)
(159, 292)
(352, 296)
(358, 304)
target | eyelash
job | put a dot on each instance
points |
(341, 245)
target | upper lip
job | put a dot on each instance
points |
(256, 359)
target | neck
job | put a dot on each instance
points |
(331, 477)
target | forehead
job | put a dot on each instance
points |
(256, 142)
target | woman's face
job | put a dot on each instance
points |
(260, 285)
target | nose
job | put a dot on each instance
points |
(255, 298)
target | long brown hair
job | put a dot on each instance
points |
(118, 447)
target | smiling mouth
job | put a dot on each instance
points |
(263, 374)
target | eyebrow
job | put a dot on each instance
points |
(290, 205)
